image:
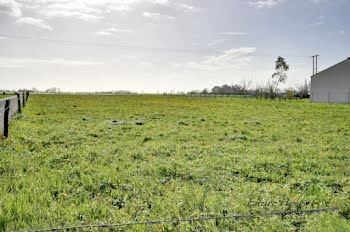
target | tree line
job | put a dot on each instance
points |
(269, 90)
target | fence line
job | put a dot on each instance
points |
(236, 217)
(8, 108)
(243, 96)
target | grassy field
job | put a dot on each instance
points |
(5, 96)
(76, 160)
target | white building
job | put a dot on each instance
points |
(332, 85)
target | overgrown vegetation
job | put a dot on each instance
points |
(73, 160)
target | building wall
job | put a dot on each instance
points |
(332, 85)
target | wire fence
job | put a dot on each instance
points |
(259, 96)
(172, 221)
(2, 113)
(8, 107)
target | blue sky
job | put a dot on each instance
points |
(164, 45)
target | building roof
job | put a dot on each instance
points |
(348, 59)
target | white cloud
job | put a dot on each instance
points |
(86, 10)
(3, 37)
(189, 8)
(150, 15)
(104, 33)
(112, 31)
(216, 42)
(315, 24)
(232, 58)
(234, 33)
(341, 32)
(318, 1)
(71, 9)
(11, 8)
(35, 22)
(271, 3)
(22, 62)
(119, 8)
(156, 16)
(265, 3)
(71, 14)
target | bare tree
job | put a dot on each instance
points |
(303, 90)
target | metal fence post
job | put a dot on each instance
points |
(19, 103)
(6, 118)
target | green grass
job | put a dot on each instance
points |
(76, 160)
(5, 96)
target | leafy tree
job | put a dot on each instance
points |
(280, 75)
(290, 94)
(230, 89)
(205, 91)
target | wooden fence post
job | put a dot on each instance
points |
(27, 95)
(19, 103)
(24, 100)
(6, 118)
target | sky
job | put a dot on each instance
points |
(166, 45)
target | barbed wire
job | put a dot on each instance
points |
(276, 213)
